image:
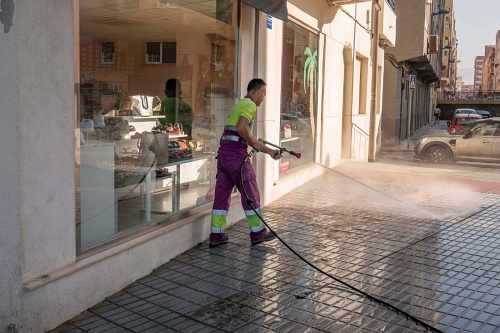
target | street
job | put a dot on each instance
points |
(422, 237)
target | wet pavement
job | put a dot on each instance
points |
(424, 239)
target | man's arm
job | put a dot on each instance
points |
(242, 129)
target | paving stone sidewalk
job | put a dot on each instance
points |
(407, 244)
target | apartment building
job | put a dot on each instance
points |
(496, 66)
(413, 67)
(448, 54)
(488, 79)
(87, 208)
(460, 83)
(478, 73)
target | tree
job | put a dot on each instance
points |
(310, 76)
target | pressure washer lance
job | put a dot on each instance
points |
(374, 299)
(282, 149)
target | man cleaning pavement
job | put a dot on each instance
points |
(233, 150)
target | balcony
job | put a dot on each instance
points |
(387, 23)
(392, 4)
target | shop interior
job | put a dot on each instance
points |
(298, 95)
(134, 171)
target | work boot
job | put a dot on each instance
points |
(218, 239)
(268, 236)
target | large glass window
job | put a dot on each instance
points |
(299, 88)
(146, 149)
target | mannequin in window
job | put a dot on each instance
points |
(175, 110)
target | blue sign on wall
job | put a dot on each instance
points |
(413, 82)
(269, 22)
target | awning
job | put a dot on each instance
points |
(275, 8)
(426, 72)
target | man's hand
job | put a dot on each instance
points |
(275, 154)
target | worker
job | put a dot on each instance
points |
(233, 150)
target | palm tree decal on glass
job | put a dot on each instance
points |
(310, 82)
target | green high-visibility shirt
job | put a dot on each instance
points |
(244, 108)
(176, 110)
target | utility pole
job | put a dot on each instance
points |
(410, 106)
(372, 140)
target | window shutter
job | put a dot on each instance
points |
(433, 44)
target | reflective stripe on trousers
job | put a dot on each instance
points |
(218, 221)
(228, 176)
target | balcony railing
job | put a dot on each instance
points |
(392, 4)
(488, 95)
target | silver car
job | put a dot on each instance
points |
(476, 142)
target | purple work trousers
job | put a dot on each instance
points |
(228, 176)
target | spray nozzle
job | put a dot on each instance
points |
(282, 149)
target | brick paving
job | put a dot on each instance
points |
(441, 268)
(423, 238)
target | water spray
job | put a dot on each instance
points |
(376, 301)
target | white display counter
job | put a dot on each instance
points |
(142, 124)
(97, 191)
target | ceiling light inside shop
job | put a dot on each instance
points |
(166, 4)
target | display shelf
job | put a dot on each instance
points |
(293, 138)
(140, 117)
(142, 124)
(176, 136)
(180, 172)
(172, 160)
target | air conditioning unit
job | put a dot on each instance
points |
(433, 44)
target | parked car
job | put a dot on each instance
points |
(478, 141)
(460, 120)
(464, 111)
(460, 111)
(484, 113)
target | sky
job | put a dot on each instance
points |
(477, 23)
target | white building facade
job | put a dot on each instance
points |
(86, 209)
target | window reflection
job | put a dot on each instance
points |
(299, 85)
(134, 168)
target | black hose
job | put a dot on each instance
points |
(372, 298)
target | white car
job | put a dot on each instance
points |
(464, 111)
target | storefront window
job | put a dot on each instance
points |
(146, 151)
(299, 88)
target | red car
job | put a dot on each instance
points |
(460, 120)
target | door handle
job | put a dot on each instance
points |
(485, 141)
